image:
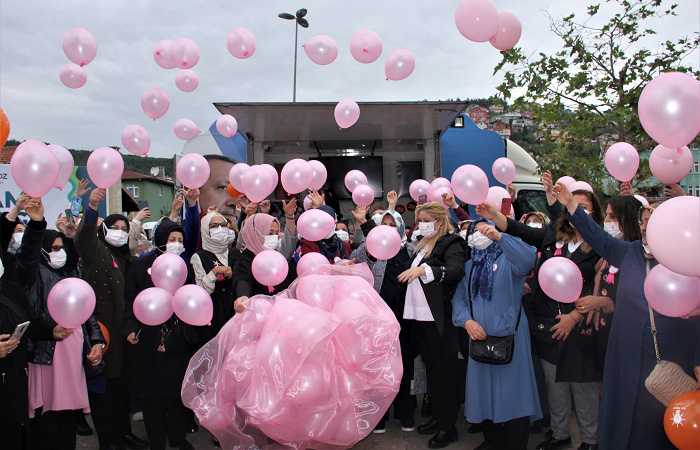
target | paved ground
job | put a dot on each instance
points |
(393, 439)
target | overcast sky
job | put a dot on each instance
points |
(447, 65)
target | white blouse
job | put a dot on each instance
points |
(416, 307)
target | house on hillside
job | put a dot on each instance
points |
(478, 114)
(501, 128)
(496, 109)
(157, 190)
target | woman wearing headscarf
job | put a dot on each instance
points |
(487, 302)
(432, 275)
(104, 260)
(11, 235)
(213, 269)
(160, 354)
(386, 283)
(630, 417)
(566, 350)
(57, 380)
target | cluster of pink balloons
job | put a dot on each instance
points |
(181, 53)
(561, 279)
(480, 21)
(241, 43)
(503, 170)
(622, 161)
(80, 47)
(470, 184)
(299, 175)
(256, 182)
(71, 302)
(136, 140)
(355, 178)
(346, 114)
(315, 225)
(186, 129)
(35, 168)
(270, 268)
(105, 167)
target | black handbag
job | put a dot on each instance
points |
(495, 350)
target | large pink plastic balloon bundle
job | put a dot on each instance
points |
(314, 367)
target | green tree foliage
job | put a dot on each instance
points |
(584, 97)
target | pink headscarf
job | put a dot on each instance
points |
(254, 231)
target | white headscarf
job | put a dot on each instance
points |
(208, 243)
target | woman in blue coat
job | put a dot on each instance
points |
(504, 397)
(630, 417)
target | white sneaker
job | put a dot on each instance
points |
(408, 429)
(137, 417)
(379, 430)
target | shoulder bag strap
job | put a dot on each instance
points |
(653, 326)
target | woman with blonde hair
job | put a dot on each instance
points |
(435, 270)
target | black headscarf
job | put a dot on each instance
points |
(122, 255)
(163, 230)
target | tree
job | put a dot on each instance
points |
(584, 97)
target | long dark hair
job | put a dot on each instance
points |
(626, 208)
(566, 232)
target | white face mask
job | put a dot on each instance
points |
(427, 229)
(175, 248)
(534, 225)
(479, 241)
(15, 242)
(613, 229)
(219, 235)
(343, 235)
(377, 218)
(116, 238)
(231, 237)
(415, 235)
(272, 241)
(58, 259)
(463, 234)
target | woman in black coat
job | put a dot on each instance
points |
(159, 354)
(432, 275)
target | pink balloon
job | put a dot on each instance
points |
(184, 53)
(80, 46)
(642, 200)
(193, 170)
(34, 168)
(296, 176)
(73, 76)
(153, 306)
(670, 153)
(673, 234)
(503, 170)
(418, 188)
(435, 195)
(105, 167)
(186, 80)
(321, 49)
(136, 140)
(273, 173)
(669, 109)
(185, 129)
(270, 268)
(309, 387)
(399, 65)
(314, 225)
(347, 112)
(670, 170)
(496, 196)
(319, 174)
(155, 102)
(162, 56)
(622, 161)
(226, 125)
(383, 242)
(363, 195)
(355, 178)
(257, 184)
(470, 184)
(561, 279)
(477, 20)
(580, 186)
(567, 180)
(235, 176)
(241, 43)
(366, 46)
(169, 272)
(65, 165)
(193, 305)
(440, 182)
(310, 260)
(71, 302)
(671, 294)
(509, 31)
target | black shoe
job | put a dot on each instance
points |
(483, 446)
(380, 428)
(476, 428)
(551, 443)
(134, 443)
(427, 408)
(408, 425)
(537, 426)
(443, 438)
(428, 428)
(83, 428)
(549, 433)
(585, 446)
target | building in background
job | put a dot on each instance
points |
(157, 189)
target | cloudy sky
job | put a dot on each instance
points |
(447, 65)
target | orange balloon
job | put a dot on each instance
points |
(682, 421)
(105, 333)
(232, 191)
(4, 128)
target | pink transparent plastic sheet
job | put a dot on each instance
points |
(316, 366)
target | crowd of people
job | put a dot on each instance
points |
(458, 287)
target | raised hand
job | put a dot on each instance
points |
(316, 199)
(250, 209)
(486, 211)
(547, 182)
(674, 190)
(564, 196)
(265, 206)
(449, 200)
(82, 188)
(142, 215)
(65, 227)
(96, 197)
(626, 189)
(192, 195)
(35, 209)
(290, 209)
(360, 214)
(392, 198)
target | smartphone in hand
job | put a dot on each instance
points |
(422, 199)
(143, 204)
(505, 206)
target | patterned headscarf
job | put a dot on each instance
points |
(482, 265)
(541, 215)
(649, 208)
(400, 224)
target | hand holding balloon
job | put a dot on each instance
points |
(35, 209)
(566, 198)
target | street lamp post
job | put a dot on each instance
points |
(299, 19)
